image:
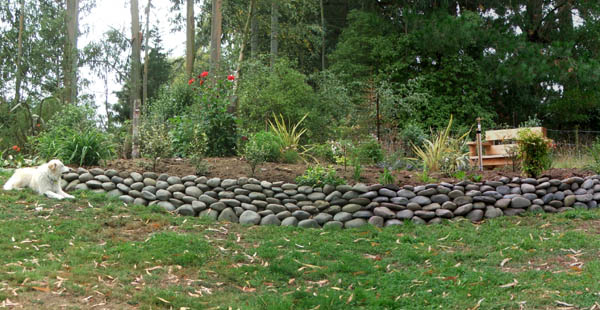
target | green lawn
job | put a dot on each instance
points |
(96, 253)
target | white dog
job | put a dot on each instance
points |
(44, 180)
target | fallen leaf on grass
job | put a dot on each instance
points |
(246, 289)
(450, 278)
(512, 284)
(373, 257)
(564, 304)
(350, 298)
(478, 304)
(164, 300)
(41, 289)
(504, 261)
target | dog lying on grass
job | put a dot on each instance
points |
(44, 179)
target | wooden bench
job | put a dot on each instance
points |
(498, 145)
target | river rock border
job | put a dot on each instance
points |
(252, 202)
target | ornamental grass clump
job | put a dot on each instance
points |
(443, 152)
(533, 152)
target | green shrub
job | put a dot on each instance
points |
(368, 152)
(534, 152)
(412, 134)
(187, 139)
(594, 151)
(356, 174)
(155, 143)
(386, 177)
(324, 152)
(85, 147)
(290, 157)
(319, 176)
(271, 143)
(255, 154)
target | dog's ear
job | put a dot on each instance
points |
(52, 166)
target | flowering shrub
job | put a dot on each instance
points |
(534, 152)
(215, 121)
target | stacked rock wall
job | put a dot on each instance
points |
(254, 202)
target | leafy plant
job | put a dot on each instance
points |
(368, 152)
(86, 147)
(460, 175)
(476, 177)
(319, 176)
(323, 151)
(386, 177)
(443, 152)
(272, 144)
(594, 151)
(534, 152)
(155, 140)
(412, 134)
(255, 154)
(187, 138)
(287, 134)
(290, 156)
(425, 178)
(200, 164)
(356, 175)
(531, 122)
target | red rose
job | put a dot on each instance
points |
(201, 82)
(191, 81)
(16, 148)
(204, 74)
(231, 77)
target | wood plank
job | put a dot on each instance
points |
(509, 134)
(500, 149)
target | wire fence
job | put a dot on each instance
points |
(573, 138)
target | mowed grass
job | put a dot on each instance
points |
(96, 253)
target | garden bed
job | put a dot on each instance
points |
(234, 167)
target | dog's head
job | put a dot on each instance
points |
(57, 167)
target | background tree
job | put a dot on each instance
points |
(135, 77)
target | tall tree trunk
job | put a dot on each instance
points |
(71, 54)
(19, 73)
(322, 36)
(233, 107)
(254, 35)
(135, 78)
(190, 52)
(565, 20)
(274, 31)
(215, 37)
(146, 50)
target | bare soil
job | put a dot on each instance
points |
(233, 167)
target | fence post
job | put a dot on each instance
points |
(479, 148)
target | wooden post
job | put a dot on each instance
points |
(378, 123)
(479, 148)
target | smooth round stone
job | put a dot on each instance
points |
(137, 178)
(351, 208)
(387, 192)
(116, 179)
(360, 188)
(405, 214)
(587, 184)
(214, 182)
(570, 200)
(304, 189)
(252, 187)
(462, 200)
(96, 171)
(148, 195)
(149, 182)
(276, 208)
(308, 223)
(427, 192)
(513, 211)
(249, 217)
(464, 209)
(228, 215)
(270, 220)
(535, 209)
(102, 178)
(435, 221)
(226, 183)
(333, 225)
(455, 194)
(527, 188)
(209, 213)
(175, 202)
(284, 214)
(421, 200)
(343, 188)
(94, 184)
(550, 209)
(124, 188)
(475, 215)
(185, 210)
(350, 195)
(502, 203)
(393, 222)
(432, 207)
(405, 193)
(503, 189)
(114, 193)
(128, 181)
(426, 215)
(376, 221)
(316, 196)
(193, 191)
(108, 186)
(198, 205)
(140, 202)
(342, 217)
(148, 175)
(301, 215)
(417, 220)
(520, 202)
(289, 221)
(166, 205)
(413, 206)
(162, 184)
(163, 177)
(137, 186)
(288, 186)
(85, 177)
(322, 218)
(243, 198)
(218, 206)
(207, 199)
(365, 214)
(443, 213)
(231, 202)
(355, 223)
(134, 193)
(176, 188)
(333, 209)
(126, 199)
(584, 197)
(384, 212)
(491, 212)
(310, 209)
(163, 195)
(440, 198)
(178, 195)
